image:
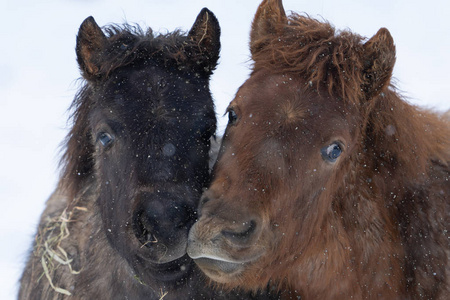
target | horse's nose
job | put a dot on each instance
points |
(229, 222)
(161, 217)
(240, 233)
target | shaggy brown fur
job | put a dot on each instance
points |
(135, 164)
(368, 219)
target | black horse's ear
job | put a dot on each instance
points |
(378, 62)
(90, 43)
(268, 18)
(205, 33)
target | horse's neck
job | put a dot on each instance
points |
(403, 139)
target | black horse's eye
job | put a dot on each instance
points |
(105, 138)
(232, 117)
(332, 152)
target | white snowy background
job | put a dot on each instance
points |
(38, 79)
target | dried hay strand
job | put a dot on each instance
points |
(48, 247)
(162, 294)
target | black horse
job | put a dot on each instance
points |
(135, 164)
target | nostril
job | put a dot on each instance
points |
(203, 201)
(242, 233)
(148, 239)
(143, 229)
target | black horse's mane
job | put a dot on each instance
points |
(130, 44)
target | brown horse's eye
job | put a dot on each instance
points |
(105, 139)
(332, 152)
(232, 117)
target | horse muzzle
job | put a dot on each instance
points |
(161, 223)
(225, 253)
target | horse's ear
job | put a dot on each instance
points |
(378, 61)
(205, 33)
(268, 17)
(90, 43)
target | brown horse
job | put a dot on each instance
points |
(328, 183)
(135, 164)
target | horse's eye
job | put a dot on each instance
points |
(232, 117)
(105, 138)
(332, 152)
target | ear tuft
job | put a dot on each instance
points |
(268, 17)
(378, 61)
(90, 43)
(205, 33)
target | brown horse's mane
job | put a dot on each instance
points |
(334, 61)
(315, 51)
(127, 45)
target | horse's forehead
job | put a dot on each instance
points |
(153, 88)
(279, 98)
(151, 73)
(152, 98)
(264, 92)
(287, 96)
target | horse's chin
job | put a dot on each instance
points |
(219, 270)
(170, 271)
(222, 265)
